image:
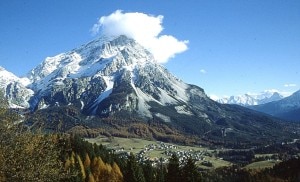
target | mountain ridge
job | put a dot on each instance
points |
(250, 99)
(286, 108)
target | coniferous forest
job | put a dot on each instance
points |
(27, 155)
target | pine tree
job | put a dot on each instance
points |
(190, 172)
(161, 171)
(149, 171)
(133, 171)
(173, 170)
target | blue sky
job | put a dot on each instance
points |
(234, 46)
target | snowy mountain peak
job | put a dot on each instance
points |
(7, 77)
(14, 89)
(4, 74)
(88, 55)
(90, 59)
(87, 74)
(106, 76)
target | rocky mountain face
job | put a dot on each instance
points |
(287, 108)
(113, 85)
(14, 89)
(118, 75)
(252, 99)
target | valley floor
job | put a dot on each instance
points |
(205, 158)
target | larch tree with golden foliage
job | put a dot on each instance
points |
(25, 156)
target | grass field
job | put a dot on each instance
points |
(136, 145)
(261, 164)
(133, 145)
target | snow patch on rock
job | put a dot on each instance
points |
(183, 110)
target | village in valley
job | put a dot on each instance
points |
(158, 152)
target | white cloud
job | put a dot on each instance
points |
(143, 28)
(290, 85)
(203, 71)
(271, 90)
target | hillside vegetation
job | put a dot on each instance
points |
(27, 155)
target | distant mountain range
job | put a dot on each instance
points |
(115, 86)
(287, 108)
(253, 99)
(271, 102)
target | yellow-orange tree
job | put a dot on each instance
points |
(27, 156)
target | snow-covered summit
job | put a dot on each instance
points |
(6, 76)
(94, 76)
(88, 60)
(88, 74)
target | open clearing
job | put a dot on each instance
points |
(155, 149)
(160, 150)
(262, 164)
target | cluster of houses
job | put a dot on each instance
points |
(166, 150)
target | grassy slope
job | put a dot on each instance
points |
(262, 164)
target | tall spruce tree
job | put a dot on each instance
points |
(190, 172)
(133, 171)
(173, 170)
(149, 171)
(161, 171)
